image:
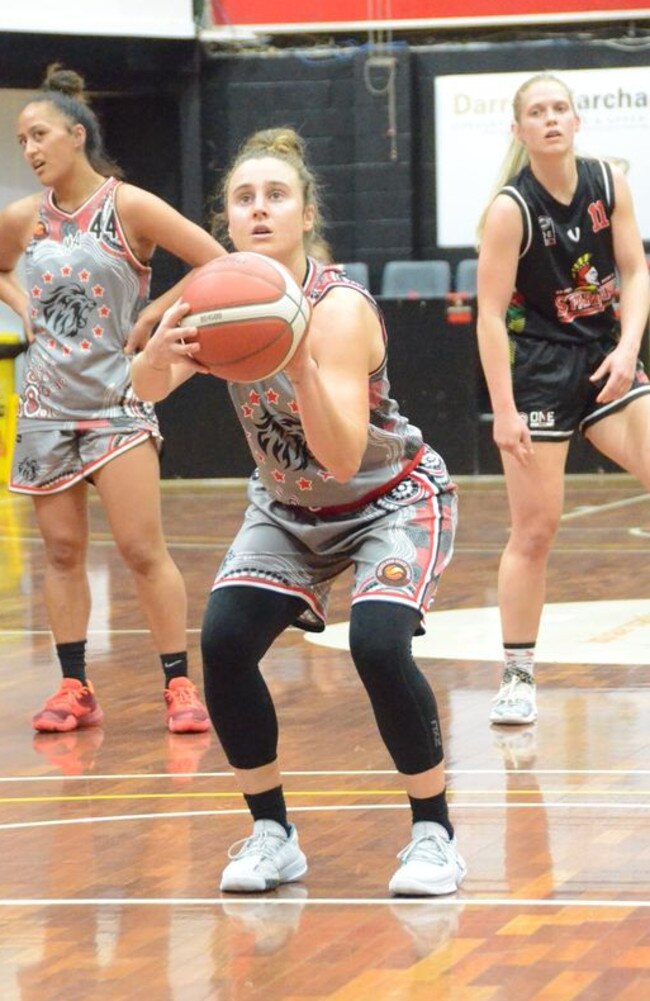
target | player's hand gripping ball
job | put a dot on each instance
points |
(250, 315)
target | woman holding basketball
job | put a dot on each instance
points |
(343, 480)
(87, 240)
(557, 239)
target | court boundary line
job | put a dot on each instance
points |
(369, 773)
(118, 818)
(456, 902)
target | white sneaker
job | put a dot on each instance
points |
(430, 864)
(267, 858)
(515, 701)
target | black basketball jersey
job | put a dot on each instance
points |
(565, 288)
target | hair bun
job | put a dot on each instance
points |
(283, 141)
(65, 81)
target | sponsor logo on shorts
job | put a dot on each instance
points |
(394, 573)
(540, 419)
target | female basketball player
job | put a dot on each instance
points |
(87, 240)
(345, 481)
(562, 234)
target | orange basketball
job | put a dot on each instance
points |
(250, 313)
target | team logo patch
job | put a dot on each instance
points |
(548, 230)
(394, 573)
(40, 230)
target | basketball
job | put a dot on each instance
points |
(250, 314)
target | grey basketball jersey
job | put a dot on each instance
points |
(86, 289)
(269, 416)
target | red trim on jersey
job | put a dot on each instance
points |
(374, 494)
(129, 254)
(49, 194)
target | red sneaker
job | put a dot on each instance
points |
(185, 711)
(73, 707)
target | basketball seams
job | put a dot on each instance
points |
(250, 314)
(278, 310)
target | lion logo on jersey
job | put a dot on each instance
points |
(66, 309)
(281, 437)
(584, 274)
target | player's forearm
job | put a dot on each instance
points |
(150, 382)
(494, 351)
(335, 438)
(634, 307)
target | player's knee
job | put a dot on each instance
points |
(223, 635)
(535, 539)
(380, 640)
(374, 660)
(140, 556)
(65, 554)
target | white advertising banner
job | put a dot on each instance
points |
(119, 18)
(473, 115)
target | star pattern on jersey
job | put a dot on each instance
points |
(85, 345)
(104, 311)
(36, 292)
(324, 475)
(66, 271)
(247, 410)
(293, 406)
(48, 277)
(272, 397)
(304, 484)
(83, 275)
(97, 330)
(97, 291)
(254, 397)
(279, 476)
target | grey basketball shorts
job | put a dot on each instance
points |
(47, 460)
(398, 544)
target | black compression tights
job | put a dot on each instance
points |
(239, 626)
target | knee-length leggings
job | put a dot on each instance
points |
(239, 626)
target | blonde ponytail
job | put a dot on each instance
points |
(516, 157)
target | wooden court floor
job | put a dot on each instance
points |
(113, 839)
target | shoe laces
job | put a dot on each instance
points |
(66, 698)
(422, 848)
(512, 679)
(260, 843)
(182, 695)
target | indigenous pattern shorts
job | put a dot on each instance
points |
(47, 460)
(399, 544)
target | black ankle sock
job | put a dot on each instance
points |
(72, 658)
(174, 665)
(433, 808)
(269, 805)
